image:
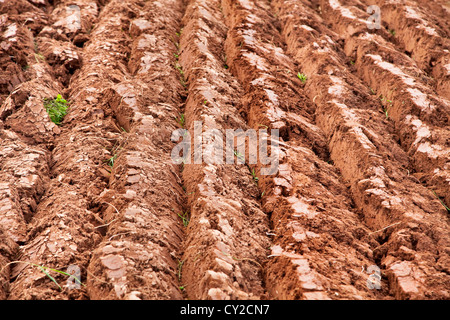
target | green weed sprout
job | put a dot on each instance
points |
(184, 217)
(302, 77)
(56, 109)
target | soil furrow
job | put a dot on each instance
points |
(315, 228)
(435, 10)
(12, 221)
(138, 258)
(368, 157)
(27, 134)
(425, 40)
(421, 117)
(8, 250)
(60, 231)
(334, 183)
(16, 42)
(226, 242)
(406, 25)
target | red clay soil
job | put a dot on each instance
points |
(363, 180)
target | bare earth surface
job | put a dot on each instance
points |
(364, 173)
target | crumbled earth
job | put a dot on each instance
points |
(363, 181)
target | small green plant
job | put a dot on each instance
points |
(56, 108)
(180, 268)
(302, 77)
(392, 32)
(225, 63)
(116, 149)
(352, 62)
(178, 67)
(181, 120)
(180, 70)
(386, 108)
(185, 218)
(255, 178)
(112, 160)
(39, 57)
(239, 155)
(242, 159)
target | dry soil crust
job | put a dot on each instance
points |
(364, 173)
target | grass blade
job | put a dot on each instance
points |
(51, 278)
(67, 274)
(442, 202)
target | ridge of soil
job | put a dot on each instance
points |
(364, 152)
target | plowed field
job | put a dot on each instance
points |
(358, 205)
